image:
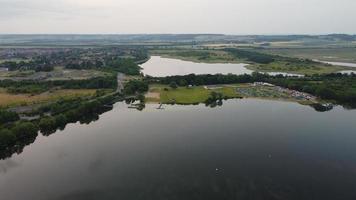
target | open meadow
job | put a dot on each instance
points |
(10, 100)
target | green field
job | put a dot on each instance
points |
(341, 54)
(184, 95)
(12, 100)
(296, 68)
(199, 94)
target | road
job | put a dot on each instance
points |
(120, 82)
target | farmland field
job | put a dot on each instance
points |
(9, 100)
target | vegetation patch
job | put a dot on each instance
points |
(189, 95)
(10, 100)
(199, 56)
(296, 67)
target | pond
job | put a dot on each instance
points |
(245, 149)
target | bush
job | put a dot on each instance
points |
(47, 124)
(23, 130)
(173, 85)
(7, 116)
(61, 120)
(135, 86)
(7, 138)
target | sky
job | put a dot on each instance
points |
(238, 17)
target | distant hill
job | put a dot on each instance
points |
(161, 38)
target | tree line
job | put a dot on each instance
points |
(337, 87)
(35, 87)
(15, 133)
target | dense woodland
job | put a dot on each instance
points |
(338, 87)
(251, 56)
(120, 59)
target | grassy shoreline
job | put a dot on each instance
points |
(322, 69)
(199, 94)
(186, 95)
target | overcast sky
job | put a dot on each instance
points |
(178, 16)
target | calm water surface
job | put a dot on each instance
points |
(246, 149)
(158, 66)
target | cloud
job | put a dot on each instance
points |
(178, 16)
(17, 9)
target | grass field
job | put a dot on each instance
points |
(325, 54)
(184, 95)
(199, 94)
(11, 100)
(295, 68)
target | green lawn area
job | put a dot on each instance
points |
(198, 94)
(194, 95)
(281, 66)
(341, 54)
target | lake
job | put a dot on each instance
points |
(159, 67)
(246, 149)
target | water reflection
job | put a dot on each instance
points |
(131, 103)
(160, 67)
(245, 149)
(21, 144)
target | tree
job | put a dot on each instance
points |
(7, 116)
(23, 130)
(183, 82)
(214, 95)
(61, 120)
(141, 98)
(135, 86)
(47, 124)
(326, 93)
(7, 138)
(173, 85)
